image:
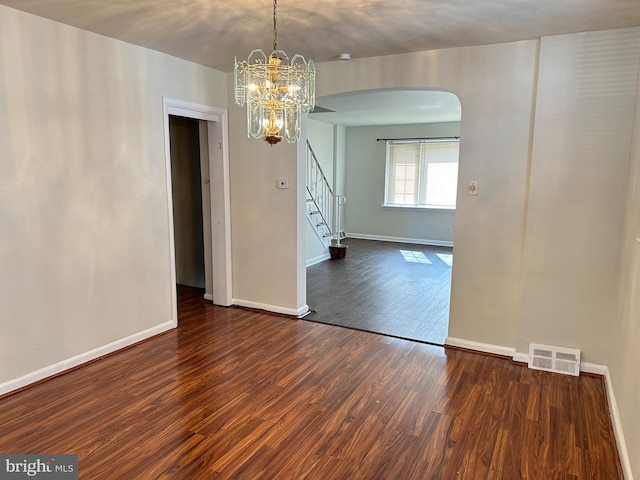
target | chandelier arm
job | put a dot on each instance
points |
(275, 29)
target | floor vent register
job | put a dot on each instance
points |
(554, 359)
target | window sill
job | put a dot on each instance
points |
(411, 208)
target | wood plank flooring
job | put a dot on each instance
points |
(234, 394)
(396, 289)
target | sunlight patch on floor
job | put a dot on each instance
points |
(414, 257)
(446, 258)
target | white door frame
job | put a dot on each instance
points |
(217, 134)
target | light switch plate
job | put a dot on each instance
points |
(472, 189)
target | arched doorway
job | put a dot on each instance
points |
(416, 239)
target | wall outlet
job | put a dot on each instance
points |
(472, 189)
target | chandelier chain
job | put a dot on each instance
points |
(275, 29)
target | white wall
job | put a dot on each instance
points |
(315, 248)
(340, 155)
(624, 332)
(365, 185)
(84, 244)
(495, 85)
(576, 203)
(340, 170)
(321, 138)
(269, 267)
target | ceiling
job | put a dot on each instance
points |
(212, 32)
(388, 107)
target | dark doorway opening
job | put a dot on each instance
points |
(186, 184)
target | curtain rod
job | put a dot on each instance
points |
(416, 138)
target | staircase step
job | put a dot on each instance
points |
(314, 212)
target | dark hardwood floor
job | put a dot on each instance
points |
(235, 394)
(396, 289)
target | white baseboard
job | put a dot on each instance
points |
(586, 367)
(593, 368)
(603, 370)
(272, 308)
(480, 347)
(617, 427)
(415, 241)
(85, 357)
(521, 357)
(318, 259)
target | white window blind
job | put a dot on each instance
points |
(422, 174)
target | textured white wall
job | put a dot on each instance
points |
(624, 331)
(571, 257)
(321, 138)
(340, 170)
(84, 244)
(315, 247)
(341, 158)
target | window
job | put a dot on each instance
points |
(422, 174)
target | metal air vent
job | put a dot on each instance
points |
(554, 359)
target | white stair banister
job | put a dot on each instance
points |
(321, 201)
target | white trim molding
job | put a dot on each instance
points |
(191, 110)
(480, 347)
(521, 357)
(300, 312)
(617, 427)
(419, 208)
(415, 241)
(220, 202)
(318, 259)
(69, 363)
(593, 368)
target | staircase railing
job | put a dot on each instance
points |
(326, 204)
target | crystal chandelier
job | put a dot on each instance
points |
(277, 91)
